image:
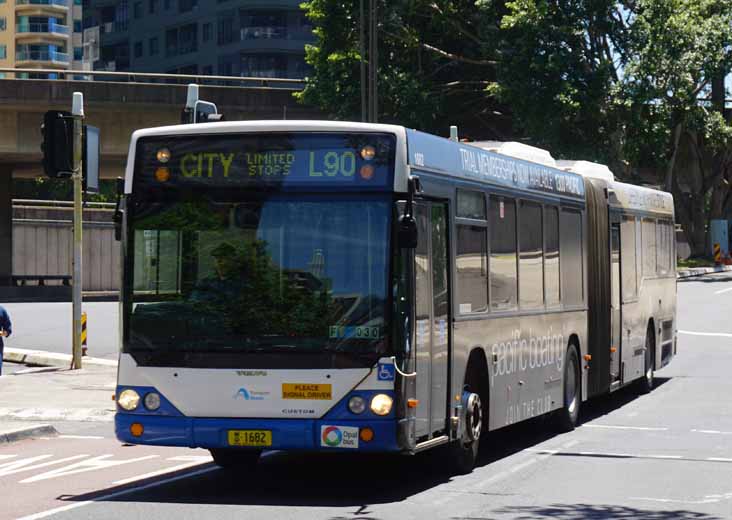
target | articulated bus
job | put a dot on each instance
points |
(352, 287)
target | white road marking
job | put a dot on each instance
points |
(724, 291)
(22, 465)
(718, 334)
(644, 428)
(676, 501)
(714, 432)
(45, 514)
(92, 464)
(80, 437)
(164, 471)
(718, 459)
(672, 457)
(4, 457)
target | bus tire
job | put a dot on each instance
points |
(463, 453)
(645, 384)
(568, 416)
(233, 458)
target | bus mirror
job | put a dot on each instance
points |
(118, 209)
(408, 234)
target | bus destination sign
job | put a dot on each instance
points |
(275, 160)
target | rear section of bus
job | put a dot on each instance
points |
(258, 287)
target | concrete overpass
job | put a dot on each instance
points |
(117, 108)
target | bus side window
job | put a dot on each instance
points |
(502, 225)
(648, 239)
(551, 256)
(472, 269)
(570, 244)
(627, 258)
(531, 277)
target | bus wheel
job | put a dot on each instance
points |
(232, 458)
(645, 384)
(463, 452)
(568, 416)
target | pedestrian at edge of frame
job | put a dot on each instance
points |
(6, 329)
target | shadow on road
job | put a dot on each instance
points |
(345, 480)
(586, 511)
(708, 278)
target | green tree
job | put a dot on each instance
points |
(436, 58)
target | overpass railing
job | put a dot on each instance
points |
(154, 77)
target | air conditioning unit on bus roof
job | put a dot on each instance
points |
(518, 151)
(587, 169)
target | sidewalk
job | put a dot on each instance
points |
(30, 400)
(698, 271)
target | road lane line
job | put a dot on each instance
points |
(644, 428)
(160, 472)
(92, 464)
(719, 459)
(45, 514)
(718, 334)
(5, 457)
(714, 432)
(80, 437)
(724, 291)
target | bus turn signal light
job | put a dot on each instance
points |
(136, 429)
(366, 434)
(588, 357)
(412, 403)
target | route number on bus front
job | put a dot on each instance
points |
(342, 332)
(332, 164)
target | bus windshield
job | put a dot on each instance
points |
(280, 277)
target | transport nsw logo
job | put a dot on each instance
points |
(306, 391)
(250, 395)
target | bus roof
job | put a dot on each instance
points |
(640, 198)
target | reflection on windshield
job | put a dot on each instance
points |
(275, 276)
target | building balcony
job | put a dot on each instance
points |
(32, 31)
(51, 59)
(41, 7)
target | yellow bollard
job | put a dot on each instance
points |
(83, 334)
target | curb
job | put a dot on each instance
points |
(27, 433)
(45, 359)
(700, 271)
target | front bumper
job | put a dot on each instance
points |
(287, 434)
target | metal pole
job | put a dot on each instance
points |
(370, 87)
(77, 110)
(362, 51)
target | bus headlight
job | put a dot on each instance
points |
(357, 404)
(152, 401)
(128, 400)
(381, 404)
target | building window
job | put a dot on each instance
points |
(137, 10)
(225, 29)
(154, 46)
(207, 31)
(502, 223)
(181, 40)
(264, 65)
(78, 53)
(264, 25)
(3, 52)
(138, 49)
(187, 5)
(531, 276)
(77, 26)
(166, 4)
(3, 23)
(152, 6)
(207, 70)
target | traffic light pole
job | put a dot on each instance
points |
(77, 111)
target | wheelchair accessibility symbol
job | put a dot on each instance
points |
(385, 372)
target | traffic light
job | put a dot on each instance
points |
(57, 145)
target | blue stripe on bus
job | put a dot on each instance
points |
(287, 434)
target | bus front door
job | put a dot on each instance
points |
(432, 319)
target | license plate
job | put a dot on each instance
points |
(250, 438)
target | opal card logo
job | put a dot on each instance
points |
(385, 372)
(338, 437)
(250, 395)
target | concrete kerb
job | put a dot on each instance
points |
(27, 432)
(699, 271)
(45, 359)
